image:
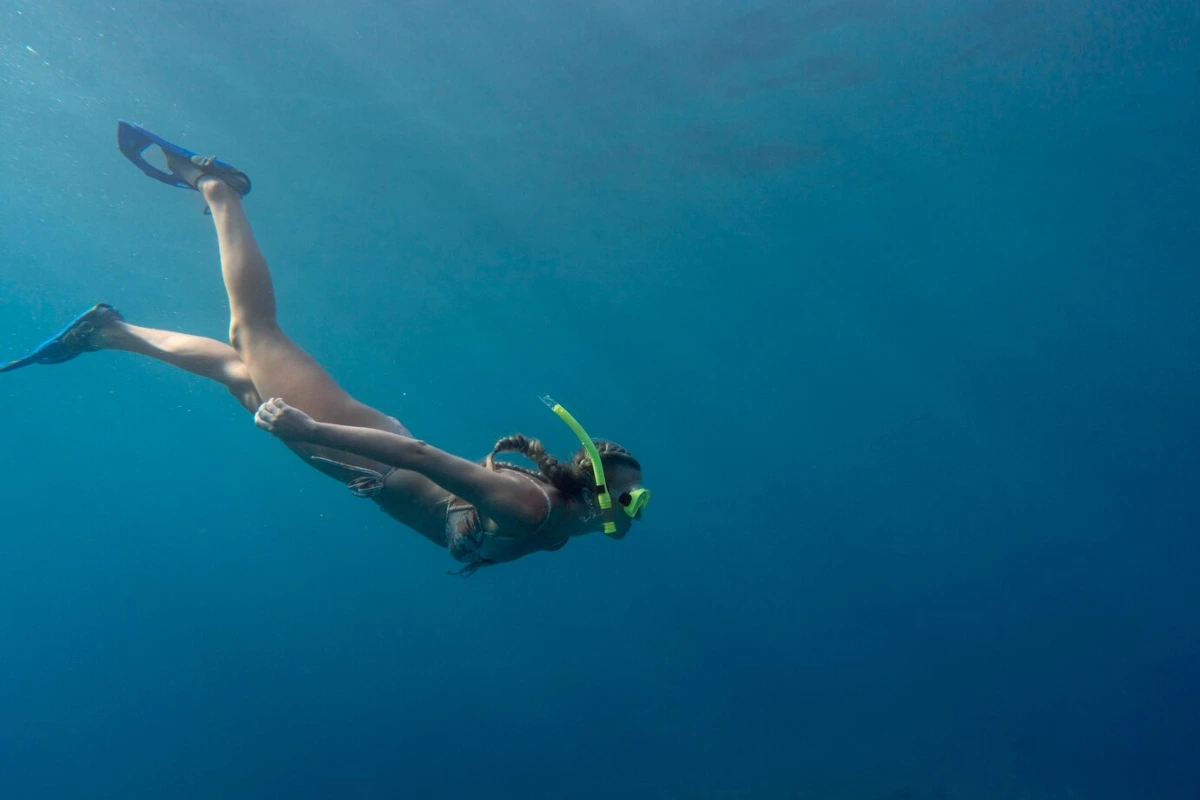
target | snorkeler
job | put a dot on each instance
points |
(483, 512)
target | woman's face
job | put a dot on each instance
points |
(621, 479)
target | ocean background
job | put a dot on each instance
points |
(896, 301)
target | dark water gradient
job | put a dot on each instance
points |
(898, 305)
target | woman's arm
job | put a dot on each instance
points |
(504, 497)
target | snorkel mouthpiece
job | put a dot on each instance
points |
(602, 495)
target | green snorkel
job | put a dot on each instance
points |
(606, 509)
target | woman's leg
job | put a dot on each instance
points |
(198, 355)
(278, 366)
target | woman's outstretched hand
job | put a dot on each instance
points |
(280, 419)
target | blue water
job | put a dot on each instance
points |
(895, 301)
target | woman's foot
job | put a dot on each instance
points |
(113, 336)
(201, 171)
(216, 191)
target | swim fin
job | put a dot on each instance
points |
(71, 341)
(186, 167)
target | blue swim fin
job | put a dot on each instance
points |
(73, 340)
(134, 139)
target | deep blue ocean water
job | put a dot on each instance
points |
(895, 301)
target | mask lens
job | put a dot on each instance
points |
(633, 502)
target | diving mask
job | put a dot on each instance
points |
(634, 501)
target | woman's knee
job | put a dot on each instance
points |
(237, 381)
(247, 395)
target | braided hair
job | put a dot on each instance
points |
(571, 478)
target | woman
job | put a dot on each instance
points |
(484, 513)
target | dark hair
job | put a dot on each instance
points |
(570, 479)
